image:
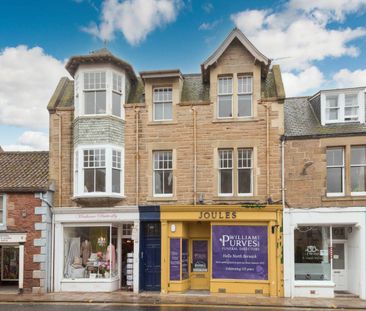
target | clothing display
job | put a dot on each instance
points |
(111, 256)
(72, 252)
(86, 250)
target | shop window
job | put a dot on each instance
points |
(312, 260)
(163, 104)
(95, 92)
(358, 170)
(163, 173)
(245, 90)
(90, 252)
(225, 172)
(335, 171)
(9, 263)
(245, 171)
(225, 97)
(2, 210)
(94, 170)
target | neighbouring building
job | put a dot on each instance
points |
(25, 228)
(325, 217)
(169, 181)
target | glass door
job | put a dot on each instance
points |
(339, 265)
(200, 279)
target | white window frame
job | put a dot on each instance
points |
(119, 90)
(95, 90)
(353, 106)
(337, 194)
(341, 98)
(245, 168)
(95, 167)
(79, 163)
(116, 165)
(356, 193)
(162, 195)
(3, 202)
(220, 168)
(164, 102)
(108, 88)
(248, 92)
(228, 93)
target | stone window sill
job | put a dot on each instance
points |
(234, 120)
(161, 123)
(344, 198)
(237, 198)
(162, 199)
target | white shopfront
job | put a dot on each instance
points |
(96, 249)
(324, 252)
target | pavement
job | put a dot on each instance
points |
(186, 299)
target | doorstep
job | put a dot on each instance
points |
(154, 298)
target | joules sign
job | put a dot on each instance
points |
(217, 215)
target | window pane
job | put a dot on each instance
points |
(100, 180)
(116, 180)
(225, 106)
(158, 182)
(312, 260)
(245, 180)
(168, 182)
(358, 155)
(244, 105)
(226, 181)
(100, 98)
(168, 115)
(158, 111)
(358, 179)
(334, 180)
(334, 156)
(332, 101)
(332, 114)
(89, 103)
(116, 104)
(89, 180)
(244, 84)
(351, 100)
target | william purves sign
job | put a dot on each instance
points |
(240, 252)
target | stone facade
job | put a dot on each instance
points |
(212, 134)
(307, 188)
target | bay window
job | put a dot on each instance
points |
(245, 96)
(163, 104)
(225, 96)
(95, 93)
(358, 170)
(117, 95)
(163, 173)
(226, 172)
(245, 171)
(98, 171)
(335, 171)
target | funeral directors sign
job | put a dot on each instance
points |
(240, 252)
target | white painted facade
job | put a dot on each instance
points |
(93, 217)
(352, 218)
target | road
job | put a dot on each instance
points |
(126, 307)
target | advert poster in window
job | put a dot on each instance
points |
(185, 274)
(199, 255)
(175, 259)
(240, 252)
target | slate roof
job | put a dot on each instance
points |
(301, 122)
(23, 171)
(194, 89)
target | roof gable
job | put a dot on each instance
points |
(235, 34)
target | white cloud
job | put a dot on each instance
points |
(209, 26)
(207, 7)
(347, 78)
(28, 78)
(305, 82)
(300, 34)
(134, 18)
(29, 141)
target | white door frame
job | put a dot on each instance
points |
(345, 245)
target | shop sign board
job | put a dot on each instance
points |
(185, 274)
(240, 252)
(12, 237)
(175, 259)
(199, 255)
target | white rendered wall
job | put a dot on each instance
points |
(352, 216)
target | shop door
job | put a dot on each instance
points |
(200, 279)
(340, 265)
(150, 256)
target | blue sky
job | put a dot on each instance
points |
(319, 44)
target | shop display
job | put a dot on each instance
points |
(10, 263)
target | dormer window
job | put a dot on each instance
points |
(95, 92)
(343, 106)
(163, 104)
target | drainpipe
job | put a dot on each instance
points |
(194, 113)
(137, 156)
(283, 194)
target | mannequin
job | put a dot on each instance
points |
(86, 251)
(111, 256)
